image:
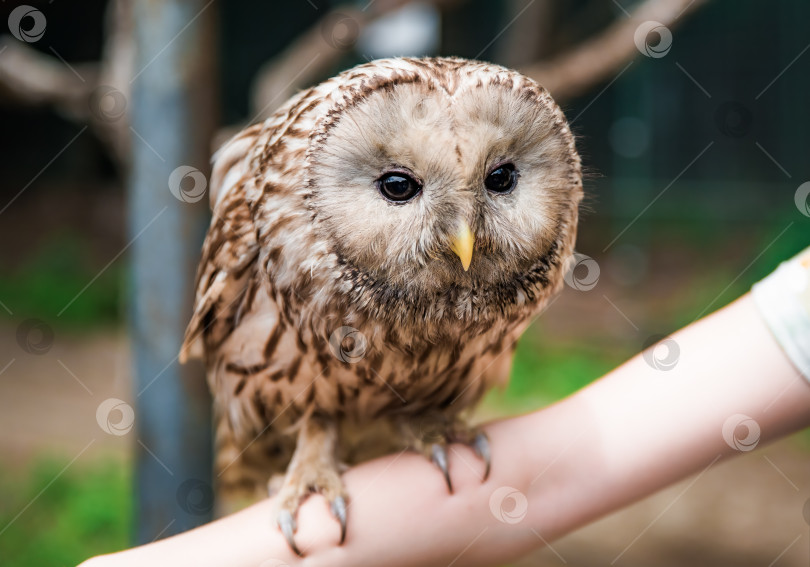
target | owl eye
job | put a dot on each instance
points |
(398, 187)
(501, 179)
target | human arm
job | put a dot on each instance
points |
(627, 435)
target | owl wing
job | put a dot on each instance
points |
(229, 252)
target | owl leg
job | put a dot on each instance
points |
(313, 468)
(430, 436)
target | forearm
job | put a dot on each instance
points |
(641, 429)
(631, 433)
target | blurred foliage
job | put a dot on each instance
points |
(545, 370)
(725, 260)
(80, 512)
(55, 274)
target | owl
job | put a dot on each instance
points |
(376, 248)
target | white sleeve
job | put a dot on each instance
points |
(783, 299)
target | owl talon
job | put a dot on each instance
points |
(481, 447)
(438, 454)
(286, 523)
(338, 507)
(312, 470)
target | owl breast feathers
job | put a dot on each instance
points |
(378, 245)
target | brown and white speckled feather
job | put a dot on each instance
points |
(301, 245)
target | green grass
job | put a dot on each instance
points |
(544, 371)
(58, 274)
(83, 512)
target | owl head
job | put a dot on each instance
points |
(447, 188)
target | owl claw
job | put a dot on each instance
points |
(312, 470)
(338, 507)
(286, 523)
(438, 454)
(481, 447)
(430, 435)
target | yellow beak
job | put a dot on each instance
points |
(462, 244)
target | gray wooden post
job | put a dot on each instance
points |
(172, 116)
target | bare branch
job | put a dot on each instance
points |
(32, 78)
(595, 60)
(316, 52)
(117, 68)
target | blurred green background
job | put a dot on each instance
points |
(731, 91)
